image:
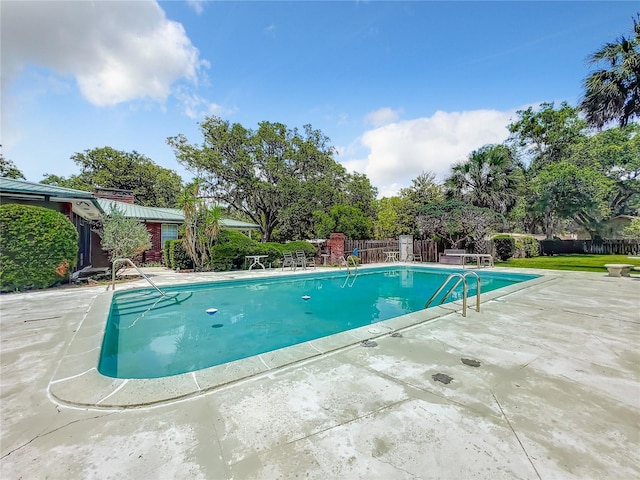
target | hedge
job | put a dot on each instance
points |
(526, 247)
(505, 246)
(39, 247)
(232, 247)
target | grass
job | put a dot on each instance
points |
(581, 263)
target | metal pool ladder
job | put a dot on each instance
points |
(355, 264)
(127, 260)
(462, 277)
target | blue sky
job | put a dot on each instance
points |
(399, 87)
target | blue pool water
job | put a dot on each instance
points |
(150, 336)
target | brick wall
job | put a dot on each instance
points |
(154, 254)
(336, 246)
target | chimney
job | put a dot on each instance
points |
(117, 194)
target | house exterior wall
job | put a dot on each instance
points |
(154, 254)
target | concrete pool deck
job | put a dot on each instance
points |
(556, 395)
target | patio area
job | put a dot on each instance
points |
(544, 384)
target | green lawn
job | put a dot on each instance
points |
(583, 263)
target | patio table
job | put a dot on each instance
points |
(256, 260)
(392, 256)
(478, 257)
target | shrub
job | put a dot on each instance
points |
(181, 258)
(504, 246)
(526, 247)
(176, 256)
(123, 237)
(39, 247)
(231, 248)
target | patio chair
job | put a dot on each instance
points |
(288, 261)
(303, 261)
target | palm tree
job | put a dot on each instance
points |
(490, 178)
(613, 93)
(201, 224)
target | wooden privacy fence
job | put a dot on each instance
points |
(428, 249)
(372, 251)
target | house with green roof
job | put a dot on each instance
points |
(163, 223)
(85, 209)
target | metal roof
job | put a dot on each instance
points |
(170, 215)
(12, 185)
(82, 203)
(165, 215)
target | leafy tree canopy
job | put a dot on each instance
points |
(344, 219)
(544, 136)
(395, 217)
(276, 176)
(8, 169)
(106, 167)
(423, 190)
(360, 193)
(615, 153)
(563, 190)
(458, 224)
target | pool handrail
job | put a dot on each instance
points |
(346, 263)
(128, 260)
(462, 277)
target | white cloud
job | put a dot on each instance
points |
(382, 117)
(116, 51)
(399, 152)
(196, 107)
(196, 5)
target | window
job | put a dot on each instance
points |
(169, 232)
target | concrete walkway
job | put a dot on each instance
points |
(555, 395)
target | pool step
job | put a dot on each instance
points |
(141, 305)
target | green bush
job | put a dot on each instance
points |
(526, 247)
(176, 256)
(39, 247)
(231, 248)
(504, 246)
(181, 258)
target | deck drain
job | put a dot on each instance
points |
(442, 377)
(368, 343)
(396, 335)
(470, 362)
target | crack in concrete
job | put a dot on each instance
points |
(44, 434)
(515, 434)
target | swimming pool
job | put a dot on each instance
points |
(201, 325)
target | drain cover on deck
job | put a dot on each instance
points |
(368, 343)
(470, 362)
(442, 377)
